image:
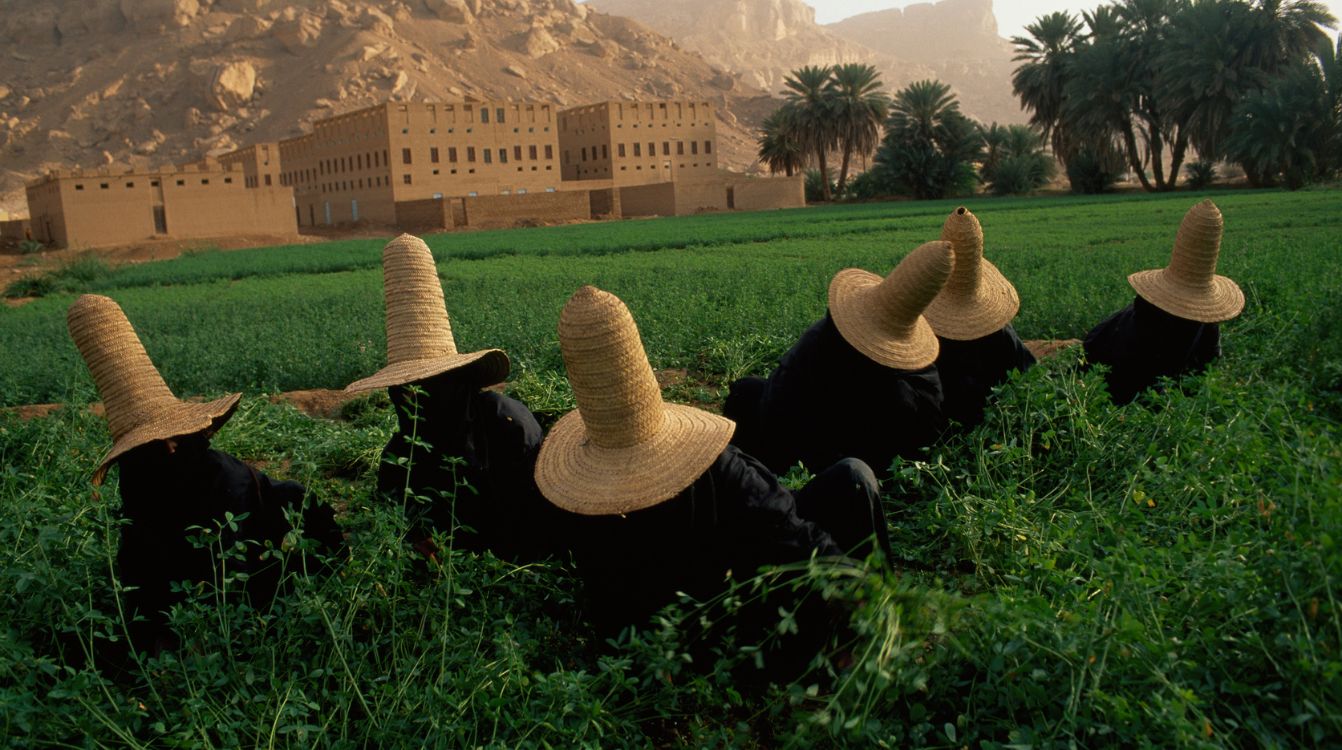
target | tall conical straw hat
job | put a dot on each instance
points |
(882, 318)
(1188, 286)
(419, 334)
(977, 299)
(623, 449)
(139, 405)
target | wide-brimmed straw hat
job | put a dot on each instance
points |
(977, 299)
(140, 407)
(882, 318)
(623, 449)
(419, 334)
(1188, 286)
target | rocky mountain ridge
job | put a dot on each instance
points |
(763, 40)
(147, 82)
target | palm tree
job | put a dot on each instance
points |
(780, 149)
(929, 148)
(1289, 31)
(1039, 82)
(859, 108)
(811, 94)
(1205, 70)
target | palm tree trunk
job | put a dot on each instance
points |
(843, 170)
(824, 175)
(1177, 158)
(1156, 143)
(1134, 159)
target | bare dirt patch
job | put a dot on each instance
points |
(317, 402)
(1045, 348)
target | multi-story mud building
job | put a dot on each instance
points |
(423, 166)
(636, 143)
(358, 166)
(260, 164)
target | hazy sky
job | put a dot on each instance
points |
(1012, 15)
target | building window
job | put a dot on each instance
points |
(517, 153)
(153, 183)
(102, 186)
(433, 154)
(473, 194)
(680, 148)
(638, 149)
(619, 150)
(666, 148)
(181, 183)
(484, 114)
(503, 156)
(452, 154)
(405, 156)
(470, 153)
(531, 153)
(498, 114)
(584, 153)
(405, 178)
(78, 186)
(205, 181)
(605, 151)
(489, 155)
(435, 171)
(549, 152)
(708, 147)
(130, 185)
(268, 183)
(694, 147)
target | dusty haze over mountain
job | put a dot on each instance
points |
(148, 82)
(763, 40)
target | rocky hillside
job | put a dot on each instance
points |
(92, 82)
(763, 40)
(958, 38)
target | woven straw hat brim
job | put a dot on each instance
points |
(183, 418)
(577, 475)
(492, 367)
(967, 317)
(1223, 300)
(853, 319)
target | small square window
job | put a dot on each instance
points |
(204, 181)
(181, 183)
(78, 186)
(405, 131)
(229, 180)
(130, 185)
(435, 171)
(153, 183)
(102, 186)
(405, 178)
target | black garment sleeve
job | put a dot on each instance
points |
(759, 517)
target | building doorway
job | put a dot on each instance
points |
(354, 209)
(731, 198)
(160, 220)
(327, 206)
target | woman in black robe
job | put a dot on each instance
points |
(657, 501)
(1172, 326)
(972, 319)
(191, 515)
(461, 461)
(860, 382)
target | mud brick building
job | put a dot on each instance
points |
(358, 166)
(636, 143)
(260, 164)
(96, 208)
